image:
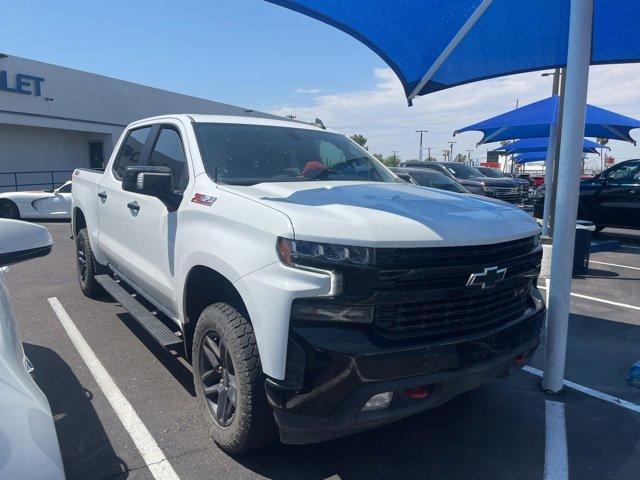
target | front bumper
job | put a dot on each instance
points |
(340, 368)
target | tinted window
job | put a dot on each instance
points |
(131, 151)
(437, 180)
(461, 170)
(490, 172)
(250, 154)
(625, 173)
(168, 152)
(65, 189)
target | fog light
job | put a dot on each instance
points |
(378, 401)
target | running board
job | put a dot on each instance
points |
(147, 320)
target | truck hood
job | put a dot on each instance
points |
(390, 215)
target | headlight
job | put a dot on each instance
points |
(296, 252)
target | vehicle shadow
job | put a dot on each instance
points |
(86, 450)
(171, 361)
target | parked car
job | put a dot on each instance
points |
(28, 442)
(432, 179)
(526, 184)
(41, 205)
(302, 280)
(471, 179)
(610, 199)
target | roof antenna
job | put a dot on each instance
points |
(317, 122)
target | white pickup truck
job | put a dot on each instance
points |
(315, 294)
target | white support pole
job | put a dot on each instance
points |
(575, 105)
(548, 177)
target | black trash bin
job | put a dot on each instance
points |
(584, 230)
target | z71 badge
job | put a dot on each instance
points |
(203, 199)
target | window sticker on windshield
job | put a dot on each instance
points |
(203, 199)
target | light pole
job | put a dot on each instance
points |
(451, 149)
(395, 162)
(551, 165)
(429, 153)
(469, 156)
(420, 151)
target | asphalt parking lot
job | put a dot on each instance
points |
(505, 430)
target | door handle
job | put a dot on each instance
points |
(135, 206)
(103, 195)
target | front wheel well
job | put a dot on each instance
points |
(79, 221)
(203, 287)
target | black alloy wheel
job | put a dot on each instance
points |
(218, 379)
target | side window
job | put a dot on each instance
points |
(131, 151)
(168, 152)
(627, 173)
(65, 189)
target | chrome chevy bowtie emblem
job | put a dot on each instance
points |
(488, 278)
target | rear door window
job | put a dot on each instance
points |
(169, 152)
(131, 151)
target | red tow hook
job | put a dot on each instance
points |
(417, 393)
(520, 360)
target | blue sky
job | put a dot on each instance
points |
(246, 52)
(259, 55)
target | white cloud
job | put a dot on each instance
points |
(381, 113)
(307, 90)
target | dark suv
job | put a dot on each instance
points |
(503, 189)
(610, 199)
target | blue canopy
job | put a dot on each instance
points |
(541, 145)
(436, 44)
(533, 120)
(528, 157)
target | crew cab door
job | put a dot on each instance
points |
(617, 202)
(115, 215)
(153, 230)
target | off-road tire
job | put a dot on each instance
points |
(86, 277)
(8, 209)
(252, 425)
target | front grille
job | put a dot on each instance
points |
(507, 194)
(424, 292)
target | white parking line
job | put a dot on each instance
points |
(556, 463)
(589, 391)
(614, 265)
(153, 456)
(601, 300)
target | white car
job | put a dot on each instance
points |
(28, 442)
(308, 284)
(37, 205)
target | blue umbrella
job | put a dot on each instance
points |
(436, 44)
(535, 119)
(542, 144)
(529, 157)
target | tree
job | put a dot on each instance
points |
(360, 140)
(461, 158)
(602, 141)
(392, 161)
(379, 156)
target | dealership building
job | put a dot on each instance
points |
(54, 119)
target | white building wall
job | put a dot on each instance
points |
(28, 149)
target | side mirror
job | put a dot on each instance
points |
(152, 181)
(56, 192)
(21, 241)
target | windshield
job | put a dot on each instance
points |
(461, 170)
(490, 172)
(249, 154)
(437, 180)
